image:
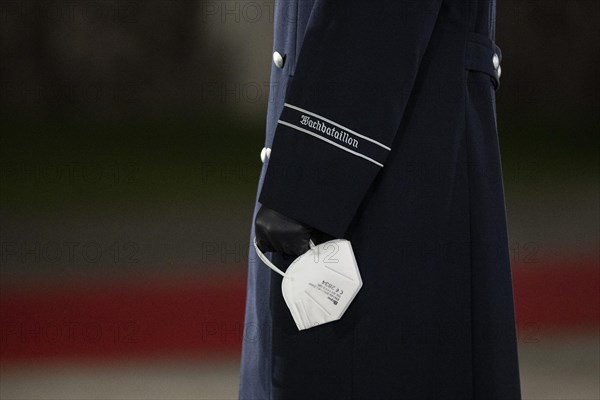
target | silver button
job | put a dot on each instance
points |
(496, 61)
(278, 59)
(265, 154)
(499, 71)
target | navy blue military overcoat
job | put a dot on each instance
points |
(382, 130)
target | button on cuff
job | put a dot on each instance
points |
(278, 59)
(265, 154)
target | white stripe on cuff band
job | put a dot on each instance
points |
(330, 142)
(336, 124)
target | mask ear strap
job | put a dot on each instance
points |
(266, 260)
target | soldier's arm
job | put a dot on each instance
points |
(343, 106)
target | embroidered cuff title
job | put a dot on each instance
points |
(334, 134)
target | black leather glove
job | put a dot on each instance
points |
(277, 233)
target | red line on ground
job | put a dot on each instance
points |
(205, 318)
(557, 297)
(199, 319)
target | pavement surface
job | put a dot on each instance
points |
(565, 367)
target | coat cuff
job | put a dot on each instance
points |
(319, 170)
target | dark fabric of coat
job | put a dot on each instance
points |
(418, 193)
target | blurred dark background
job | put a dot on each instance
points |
(130, 134)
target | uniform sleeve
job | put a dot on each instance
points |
(343, 106)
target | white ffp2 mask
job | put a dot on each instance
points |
(319, 285)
